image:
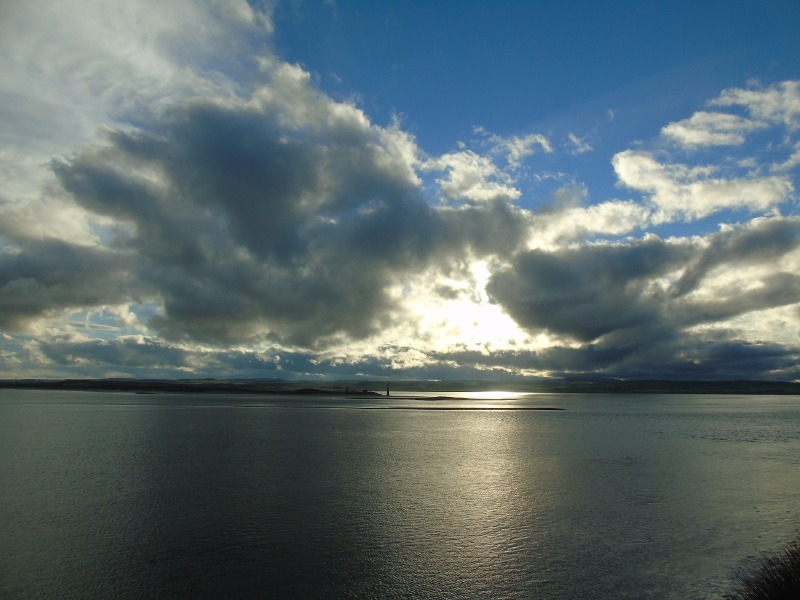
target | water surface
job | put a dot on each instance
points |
(194, 496)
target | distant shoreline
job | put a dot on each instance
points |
(365, 389)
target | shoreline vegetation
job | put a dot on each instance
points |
(367, 389)
(776, 577)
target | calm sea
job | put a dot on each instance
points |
(177, 496)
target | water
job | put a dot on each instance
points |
(176, 496)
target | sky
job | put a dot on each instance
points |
(399, 189)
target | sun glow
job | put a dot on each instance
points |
(471, 395)
(494, 395)
(452, 311)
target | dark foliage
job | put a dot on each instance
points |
(776, 577)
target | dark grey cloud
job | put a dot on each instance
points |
(613, 301)
(129, 353)
(762, 242)
(247, 228)
(49, 275)
(775, 289)
(689, 357)
(588, 291)
(149, 357)
(597, 290)
(246, 211)
(289, 219)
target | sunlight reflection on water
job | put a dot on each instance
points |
(178, 496)
(482, 395)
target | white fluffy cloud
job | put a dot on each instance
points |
(679, 191)
(778, 103)
(471, 176)
(711, 129)
(613, 218)
(518, 148)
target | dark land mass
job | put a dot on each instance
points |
(186, 386)
(368, 388)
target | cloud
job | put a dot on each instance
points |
(680, 191)
(52, 276)
(588, 291)
(514, 148)
(178, 200)
(581, 145)
(476, 177)
(73, 68)
(270, 215)
(711, 129)
(149, 357)
(790, 163)
(761, 242)
(568, 220)
(74, 65)
(616, 304)
(687, 358)
(778, 103)
(286, 217)
(471, 176)
(130, 352)
(518, 148)
(48, 217)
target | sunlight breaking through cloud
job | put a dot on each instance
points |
(179, 200)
